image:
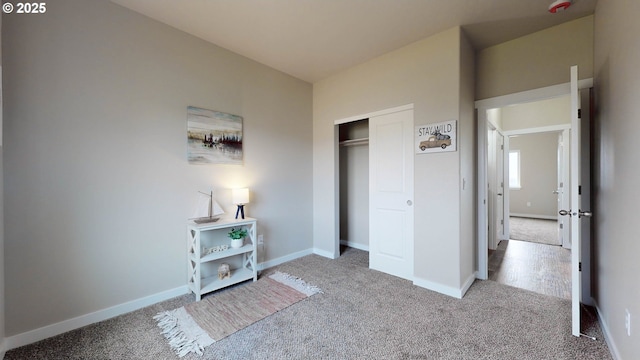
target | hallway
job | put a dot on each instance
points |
(545, 269)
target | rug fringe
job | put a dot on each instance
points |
(175, 324)
(296, 283)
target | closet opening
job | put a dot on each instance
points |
(354, 184)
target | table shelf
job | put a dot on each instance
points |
(200, 284)
(212, 283)
(225, 253)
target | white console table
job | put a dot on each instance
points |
(203, 269)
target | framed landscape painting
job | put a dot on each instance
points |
(213, 137)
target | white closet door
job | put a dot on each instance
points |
(391, 193)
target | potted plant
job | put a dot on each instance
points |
(237, 237)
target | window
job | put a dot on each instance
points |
(514, 169)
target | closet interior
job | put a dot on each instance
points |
(354, 184)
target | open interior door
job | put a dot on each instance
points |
(501, 192)
(575, 213)
(575, 204)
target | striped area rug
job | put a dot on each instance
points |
(195, 326)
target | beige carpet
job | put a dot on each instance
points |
(534, 230)
(195, 326)
(362, 314)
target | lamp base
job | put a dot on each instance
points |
(240, 211)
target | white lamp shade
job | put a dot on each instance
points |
(240, 196)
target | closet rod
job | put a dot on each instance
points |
(355, 142)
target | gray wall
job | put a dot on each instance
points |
(537, 60)
(538, 175)
(97, 185)
(549, 112)
(432, 75)
(617, 173)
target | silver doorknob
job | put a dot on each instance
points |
(409, 202)
(584, 213)
(564, 212)
(556, 192)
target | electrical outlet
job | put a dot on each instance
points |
(627, 322)
(260, 239)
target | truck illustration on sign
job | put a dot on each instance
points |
(436, 140)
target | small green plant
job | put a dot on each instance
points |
(238, 233)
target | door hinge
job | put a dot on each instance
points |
(502, 184)
(561, 226)
(579, 189)
(501, 222)
(580, 266)
(561, 184)
(501, 147)
(579, 113)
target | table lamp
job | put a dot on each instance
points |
(240, 197)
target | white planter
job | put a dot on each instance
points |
(237, 243)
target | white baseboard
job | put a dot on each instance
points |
(48, 331)
(443, 289)
(3, 348)
(284, 259)
(324, 253)
(467, 284)
(354, 245)
(607, 334)
(534, 216)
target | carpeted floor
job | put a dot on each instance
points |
(362, 314)
(534, 230)
(199, 324)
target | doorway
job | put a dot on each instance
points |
(495, 182)
(536, 181)
(535, 121)
(526, 141)
(483, 107)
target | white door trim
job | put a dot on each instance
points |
(562, 128)
(507, 188)
(548, 92)
(537, 130)
(483, 213)
(372, 114)
(482, 106)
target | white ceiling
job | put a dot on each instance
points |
(313, 39)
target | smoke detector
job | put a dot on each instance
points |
(559, 5)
